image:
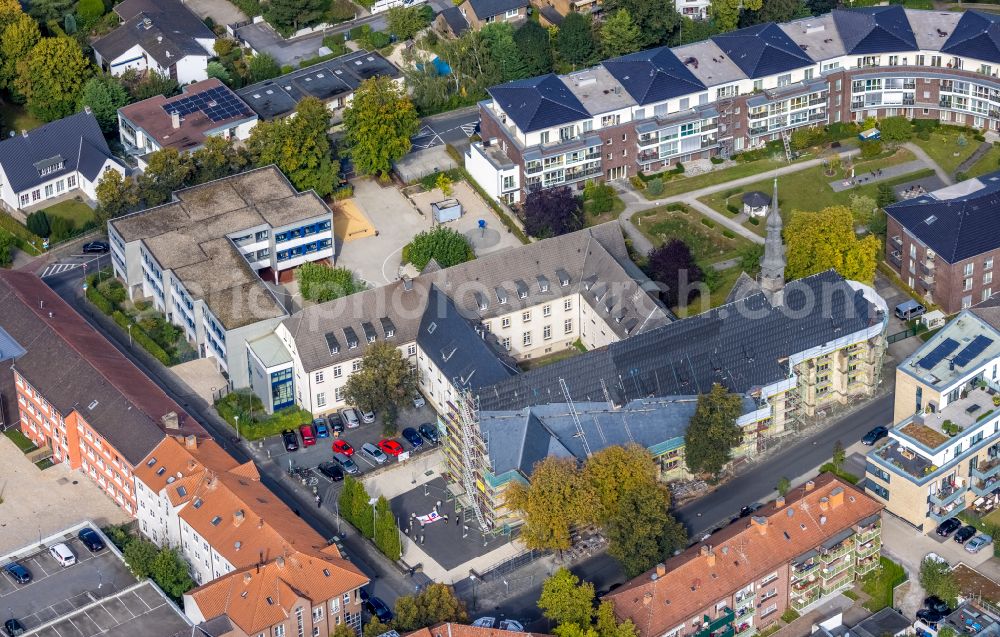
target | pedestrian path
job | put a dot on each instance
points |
(874, 176)
(58, 268)
(984, 148)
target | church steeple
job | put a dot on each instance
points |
(772, 266)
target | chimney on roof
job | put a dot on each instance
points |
(238, 516)
(86, 109)
(837, 497)
(260, 523)
(824, 504)
(246, 578)
(170, 420)
(191, 441)
(661, 569)
(810, 485)
(24, 133)
(647, 599)
(779, 502)
(175, 119)
(709, 556)
(280, 562)
(760, 522)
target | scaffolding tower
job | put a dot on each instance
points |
(468, 421)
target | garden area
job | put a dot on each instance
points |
(254, 423)
(61, 220)
(988, 163)
(146, 325)
(16, 118)
(880, 583)
(948, 146)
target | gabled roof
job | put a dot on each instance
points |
(489, 8)
(539, 102)
(977, 35)
(455, 20)
(875, 29)
(76, 141)
(957, 222)
(763, 49)
(654, 75)
(165, 29)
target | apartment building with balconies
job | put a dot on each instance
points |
(200, 259)
(943, 453)
(736, 91)
(943, 244)
(795, 553)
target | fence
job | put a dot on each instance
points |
(905, 334)
(510, 565)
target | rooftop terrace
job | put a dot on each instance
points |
(963, 346)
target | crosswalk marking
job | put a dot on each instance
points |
(58, 268)
(469, 129)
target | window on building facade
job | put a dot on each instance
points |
(568, 305)
(319, 377)
(546, 310)
(568, 326)
(505, 322)
(547, 332)
(526, 316)
(526, 339)
(988, 263)
(321, 399)
(337, 372)
(505, 341)
(356, 365)
(968, 269)
(338, 394)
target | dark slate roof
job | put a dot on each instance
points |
(763, 49)
(956, 228)
(551, 14)
(489, 8)
(977, 35)
(456, 347)
(875, 29)
(76, 139)
(756, 199)
(538, 102)
(455, 20)
(887, 621)
(166, 30)
(654, 75)
(742, 346)
(77, 369)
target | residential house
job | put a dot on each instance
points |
(473, 14)
(164, 36)
(943, 452)
(183, 122)
(648, 111)
(56, 159)
(200, 258)
(77, 397)
(333, 82)
(796, 553)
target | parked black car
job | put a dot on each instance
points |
(875, 435)
(965, 534)
(948, 527)
(429, 433)
(290, 439)
(95, 247)
(935, 603)
(379, 609)
(91, 539)
(13, 628)
(331, 470)
(750, 509)
(929, 616)
(19, 573)
(413, 437)
(333, 420)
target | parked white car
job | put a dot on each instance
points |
(62, 554)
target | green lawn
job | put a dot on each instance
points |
(541, 361)
(682, 184)
(248, 411)
(14, 117)
(878, 584)
(722, 287)
(23, 442)
(73, 210)
(594, 219)
(943, 146)
(990, 162)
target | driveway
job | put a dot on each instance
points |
(375, 260)
(221, 11)
(263, 39)
(492, 237)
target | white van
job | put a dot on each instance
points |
(63, 555)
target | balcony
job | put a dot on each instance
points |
(817, 100)
(929, 264)
(927, 279)
(987, 470)
(801, 602)
(906, 460)
(941, 514)
(947, 495)
(842, 549)
(869, 549)
(649, 155)
(745, 599)
(864, 535)
(833, 571)
(985, 487)
(721, 626)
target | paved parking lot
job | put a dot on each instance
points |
(141, 610)
(55, 591)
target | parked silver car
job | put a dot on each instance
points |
(350, 418)
(374, 453)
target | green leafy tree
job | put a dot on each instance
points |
(347, 497)
(218, 71)
(576, 42)
(386, 381)
(657, 20)
(550, 505)
(775, 11)
(18, 38)
(567, 600)
(406, 22)
(104, 95)
(7, 244)
(263, 66)
(343, 630)
(167, 170)
(170, 572)
(386, 534)
(818, 241)
(937, 579)
(862, 208)
(611, 474)
(885, 195)
(839, 455)
(89, 11)
(140, 555)
(142, 86)
(607, 623)
(429, 90)
(69, 24)
(713, 432)
(895, 129)
(433, 605)
(536, 48)
(38, 223)
(322, 283)
(10, 10)
(443, 183)
(725, 14)
(288, 16)
(51, 78)
(374, 628)
(379, 124)
(694, 31)
(116, 195)
(499, 37)
(750, 257)
(443, 244)
(619, 34)
(298, 146)
(218, 157)
(643, 532)
(574, 630)
(784, 484)
(46, 10)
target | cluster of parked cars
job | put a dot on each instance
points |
(63, 555)
(964, 534)
(935, 609)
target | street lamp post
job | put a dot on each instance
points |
(472, 577)
(130, 335)
(237, 418)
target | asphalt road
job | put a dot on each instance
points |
(453, 127)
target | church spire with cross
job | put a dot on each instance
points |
(772, 266)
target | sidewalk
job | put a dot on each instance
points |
(885, 174)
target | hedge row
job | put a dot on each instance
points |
(99, 300)
(16, 228)
(140, 337)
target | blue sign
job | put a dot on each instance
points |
(482, 224)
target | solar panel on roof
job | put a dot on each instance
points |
(937, 355)
(217, 103)
(972, 350)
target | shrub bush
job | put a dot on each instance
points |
(733, 208)
(871, 148)
(715, 159)
(99, 300)
(678, 169)
(639, 182)
(708, 222)
(755, 221)
(655, 187)
(729, 234)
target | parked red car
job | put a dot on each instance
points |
(390, 447)
(308, 435)
(344, 447)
